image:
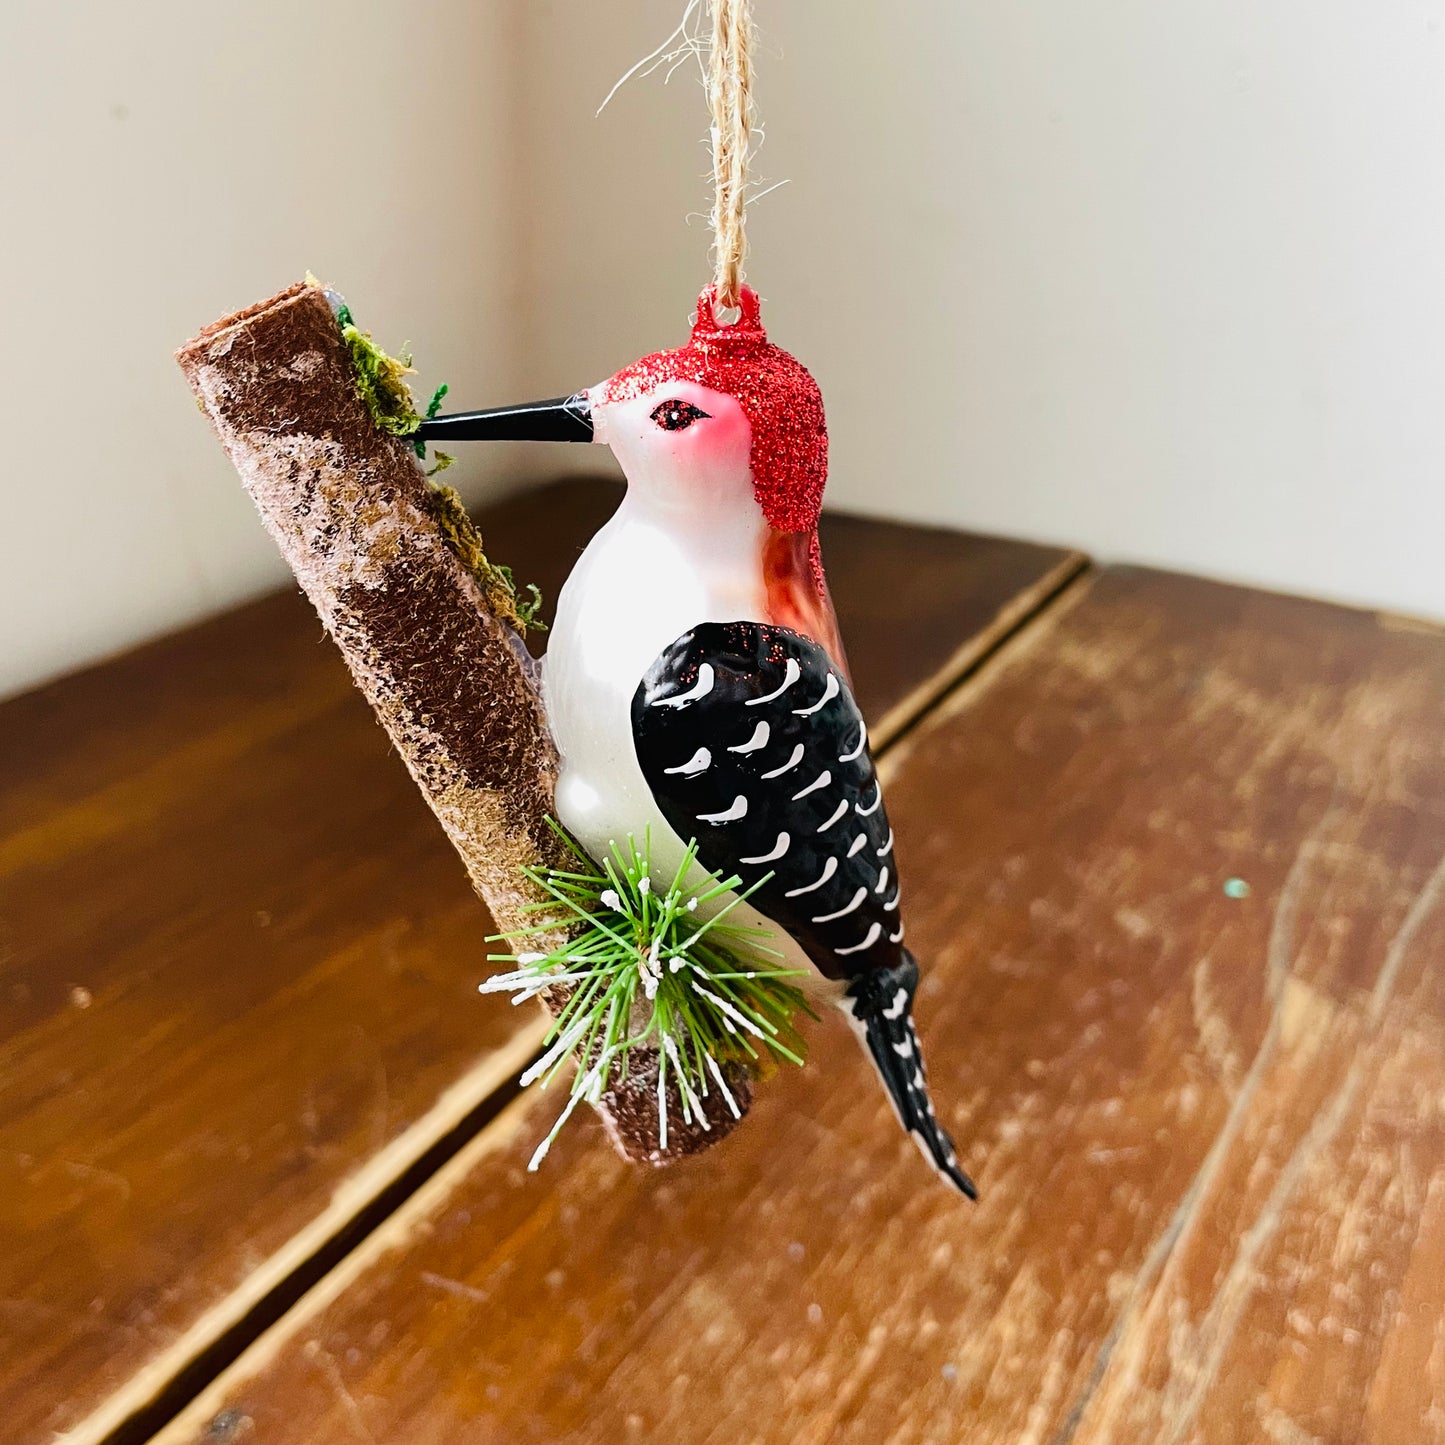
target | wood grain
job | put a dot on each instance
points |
(1175, 862)
(238, 959)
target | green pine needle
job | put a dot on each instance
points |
(643, 972)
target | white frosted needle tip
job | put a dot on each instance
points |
(690, 1101)
(608, 899)
(722, 1084)
(730, 1015)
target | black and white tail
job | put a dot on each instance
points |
(880, 1006)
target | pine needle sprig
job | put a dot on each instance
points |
(650, 967)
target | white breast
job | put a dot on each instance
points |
(637, 587)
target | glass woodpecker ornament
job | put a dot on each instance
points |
(695, 682)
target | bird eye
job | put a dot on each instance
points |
(677, 415)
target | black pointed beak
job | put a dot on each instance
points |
(563, 419)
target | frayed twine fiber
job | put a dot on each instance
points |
(725, 58)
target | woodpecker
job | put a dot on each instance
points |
(695, 682)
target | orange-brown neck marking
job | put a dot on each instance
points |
(797, 592)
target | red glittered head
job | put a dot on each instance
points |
(789, 452)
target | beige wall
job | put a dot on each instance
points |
(1165, 280)
(1159, 279)
(165, 161)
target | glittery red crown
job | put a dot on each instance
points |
(779, 398)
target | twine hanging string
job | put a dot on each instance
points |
(725, 59)
(730, 98)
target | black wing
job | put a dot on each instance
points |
(752, 744)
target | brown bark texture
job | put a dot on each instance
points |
(356, 519)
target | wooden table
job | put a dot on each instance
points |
(1175, 860)
(238, 963)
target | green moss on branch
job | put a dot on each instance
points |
(382, 381)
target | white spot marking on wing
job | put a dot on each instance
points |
(697, 763)
(830, 691)
(905, 1049)
(896, 937)
(758, 740)
(779, 848)
(842, 808)
(882, 880)
(821, 781)
(892, 903)
(899, 1005)
(791, 673)
(887, 848)
(859, 842)
(868, 942)
(829, 869)
(700, 688)
(873, 806)
(847, 908)
(862, 743)
(738, 809)
(791, 763)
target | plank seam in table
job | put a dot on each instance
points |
(1027, 608)
(362, 1203)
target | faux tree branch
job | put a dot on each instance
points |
(356, 519)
